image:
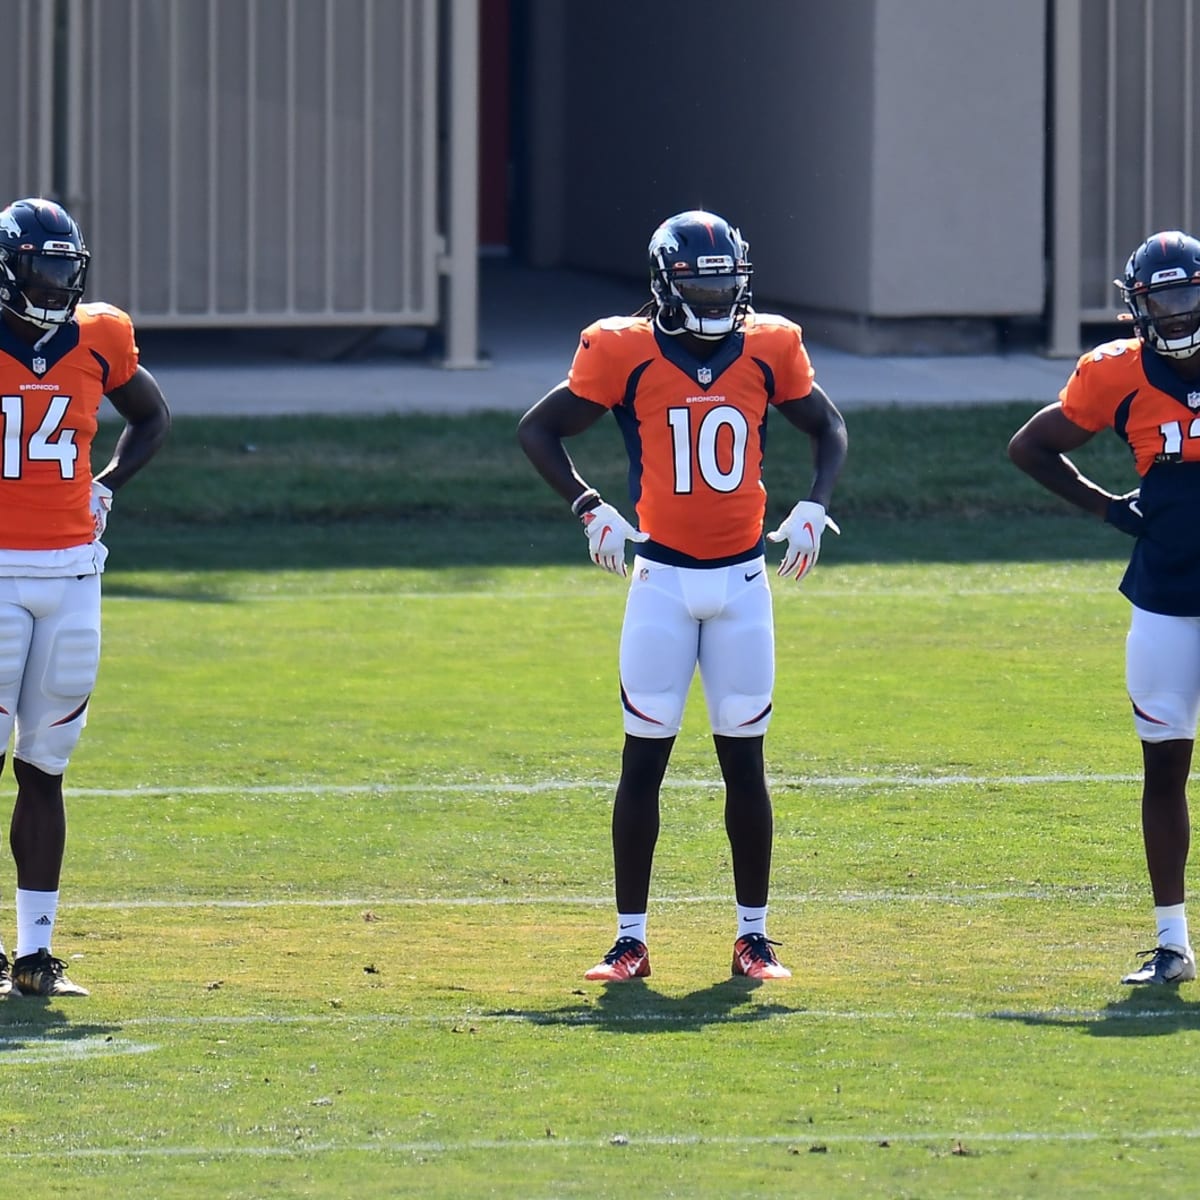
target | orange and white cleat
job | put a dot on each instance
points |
(754, 958)
(628, 959)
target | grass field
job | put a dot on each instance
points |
(339, 854)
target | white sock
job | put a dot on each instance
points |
(751, 920)
(1171, 923)
(36, 912)
(632, 925)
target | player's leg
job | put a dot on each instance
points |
(1162, 664)
(749, 824)
(635, 824)
(60, 673)
(657, 662)
(16, 630)
(737, 666)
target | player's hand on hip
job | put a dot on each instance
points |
(607, 532)
(1125, 513)
(802, 529)
(102, 499)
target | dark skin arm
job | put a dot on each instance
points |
(1040, 448)
(147, 422)
(817, 416)
(559, 414)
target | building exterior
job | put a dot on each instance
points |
(913, 175)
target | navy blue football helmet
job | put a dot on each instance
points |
(43, 262)
(1161, 288)
(699, 275)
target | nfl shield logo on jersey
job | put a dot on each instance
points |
(1193, 400)
(39, 366)
(704, 375)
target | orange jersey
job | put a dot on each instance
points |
(694, 428)
(1122, 386)
(49, 403)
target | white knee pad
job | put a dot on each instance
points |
(1162, 675)
(50, 749)
(652, 714)
(48, 729)
(743, 716)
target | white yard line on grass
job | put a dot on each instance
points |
(967, 896)
(960, 1140)
(577, 785)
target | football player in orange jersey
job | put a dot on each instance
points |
(1147, 389)
(690, 380)
(59, 358)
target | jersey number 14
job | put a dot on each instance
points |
(50, 442)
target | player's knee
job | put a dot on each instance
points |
(651, 714)
(1163, 717)
(741, 715)
(73, 663)
(50, 748)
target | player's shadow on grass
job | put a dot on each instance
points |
(29, 1025)
(636, 1007)
(1147, 1013)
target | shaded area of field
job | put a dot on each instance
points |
(931, 484)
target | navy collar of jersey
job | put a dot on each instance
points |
(1165, 378)
(728, 351)
(65, 339)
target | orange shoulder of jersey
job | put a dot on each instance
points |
(108, 332)
(1102, 378)
(780, 342)
(1123, 386)
(609, 351)
(51, 404)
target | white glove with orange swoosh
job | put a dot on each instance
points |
(802, 529)
(102, 499)
(607, 532)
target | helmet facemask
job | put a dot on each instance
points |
(1168, 318)
(43, 286)
(710, 301)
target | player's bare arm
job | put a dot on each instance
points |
(557, 415)
(147, 421)
(816, 415)
(1040, 448)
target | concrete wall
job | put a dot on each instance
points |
(883, 157)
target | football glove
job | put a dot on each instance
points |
(607, 532)
(802, 529)
(102, 499)
(1125, 513)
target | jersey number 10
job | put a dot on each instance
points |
(707, 430)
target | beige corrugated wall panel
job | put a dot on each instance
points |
(1127, 86)
(258, 162)
(27, 99)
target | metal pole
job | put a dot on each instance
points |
(461, 263)
(1067, 194)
